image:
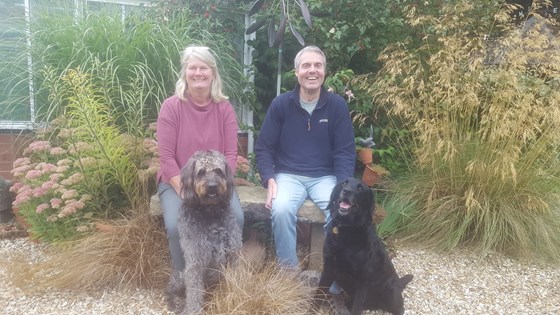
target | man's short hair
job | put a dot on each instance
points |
(314, 49)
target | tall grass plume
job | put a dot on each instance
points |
(483, 106)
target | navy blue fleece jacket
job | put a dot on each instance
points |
(292, 141)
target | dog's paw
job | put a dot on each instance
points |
(338, 304)
(174, 303)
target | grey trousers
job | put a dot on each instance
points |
(171, 203)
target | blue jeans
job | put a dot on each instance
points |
(292, 192)
(171, 203)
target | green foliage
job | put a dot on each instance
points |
(353, 33)
(82, 168)
(12, 33)
(484, 115)
(369, 119)
(281, 17)
(141, 49)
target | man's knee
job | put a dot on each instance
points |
(282, 209)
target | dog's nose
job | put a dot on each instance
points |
(212, 189)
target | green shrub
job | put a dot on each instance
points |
(485, 116)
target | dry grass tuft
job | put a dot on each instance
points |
(260, 287)
(125, 254)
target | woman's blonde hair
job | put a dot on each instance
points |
(205, 55)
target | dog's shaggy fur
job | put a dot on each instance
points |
(355, 257)
(209, 233)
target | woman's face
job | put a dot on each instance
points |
(199, 75)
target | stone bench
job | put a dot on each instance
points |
(252, 200)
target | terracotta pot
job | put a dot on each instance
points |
(242, 144)
(365, 155)
(370, 176)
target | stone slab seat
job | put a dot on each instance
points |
(252, 200)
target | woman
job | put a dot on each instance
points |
(197, 117)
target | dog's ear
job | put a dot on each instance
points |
(229, 180)
(334, 196)
(366, 199)
(187, 182)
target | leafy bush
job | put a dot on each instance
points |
(484, 112)
(82, 167)
(353, 33)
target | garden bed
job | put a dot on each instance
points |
(452, 283)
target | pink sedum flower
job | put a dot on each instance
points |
(33, 174)
(42, 207)
(70, 208)
(21, 170)
(22, 161)
(73, 179)
(56, 203)
(57, 151)
(37, 146)
(62, 169)
(64, 162)
(69, 194)
(55, 177)
(16, 187)
(49, 185)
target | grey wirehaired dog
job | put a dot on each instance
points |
(209, 233)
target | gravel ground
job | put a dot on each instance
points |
(455, 283)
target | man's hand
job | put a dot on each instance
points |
(270, 193)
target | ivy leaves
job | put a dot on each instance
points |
(285, 21)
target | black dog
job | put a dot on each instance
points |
(355, 257)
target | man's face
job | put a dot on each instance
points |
(311, 71)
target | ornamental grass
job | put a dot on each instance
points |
(481, 97)
(122, 254)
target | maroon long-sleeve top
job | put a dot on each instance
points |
(184, 128)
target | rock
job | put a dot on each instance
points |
(6, 199)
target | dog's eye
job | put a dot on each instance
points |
(218, 171)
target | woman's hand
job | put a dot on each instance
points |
(270, 193)
(175, 182)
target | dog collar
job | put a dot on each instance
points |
(335, 230)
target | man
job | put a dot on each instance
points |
(305, 146)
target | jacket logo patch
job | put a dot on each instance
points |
(324, 120)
